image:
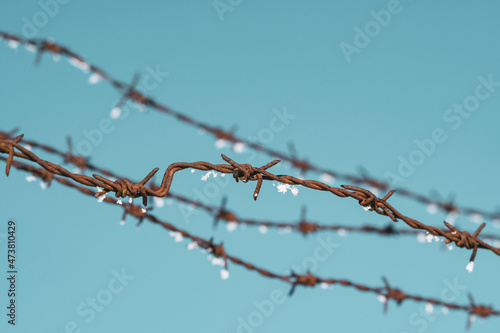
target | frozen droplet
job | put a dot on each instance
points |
(140, 106)
(255, 195)
(80, 64)
(192, 245)
(30, 47)
(295, 190)
(366, 208)
(472, 318)
(143, 210)
(429, 238)
(101, 198)
(421, 238)
(207, 175)
(470, 266)
(94, 78)
(159, 202)
(119, 202)
(130, 200)
(476, 218)
(285, 230)
(282, 188)
(445, 310)
(432, 209)
(231, 226)
(382, 298)
(192, 170)
(220, 143)
(115, 113)
(178, 237)
(30, 179)
(324, 285)
(450, 247)
(342, 232)
(262, 229)
(13, 44)
(327, 178)
(239, 147)
(223, 175)
(43, 185)
(28, 147)
(429, 308)
(224, 274)
(218, 261)
(122, 222)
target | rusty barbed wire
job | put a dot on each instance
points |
(218, 250)
(245, 172)
(130, 93)
(221, 213)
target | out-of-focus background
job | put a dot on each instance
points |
(406, 90)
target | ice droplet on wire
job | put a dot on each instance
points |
(470, 266)
(224, 274)
(432, 209)
(94, 78)
(115, 113)
(13, 44)
(239, 147)
(327, 178)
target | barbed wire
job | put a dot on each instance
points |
(386, 292)
(131, 93)
(222, 213)
(123, 188)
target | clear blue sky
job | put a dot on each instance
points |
(368, 84)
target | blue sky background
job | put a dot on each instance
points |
(233, 69)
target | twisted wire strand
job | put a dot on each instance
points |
(293, 279)
(245, 172)
(130, 93)
(221, 213)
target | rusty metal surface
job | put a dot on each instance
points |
(130, 93)
(293, 279)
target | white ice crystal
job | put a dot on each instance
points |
(192, 245)
(239, 147)
(224, 274)
(94, 78)
(282, 188)
(231, 226)
(470, 266)
(30, 178)
(115, 113)
(220, 143)
(327, 178)
(432, 209)
(159, 202)
(82, 65)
